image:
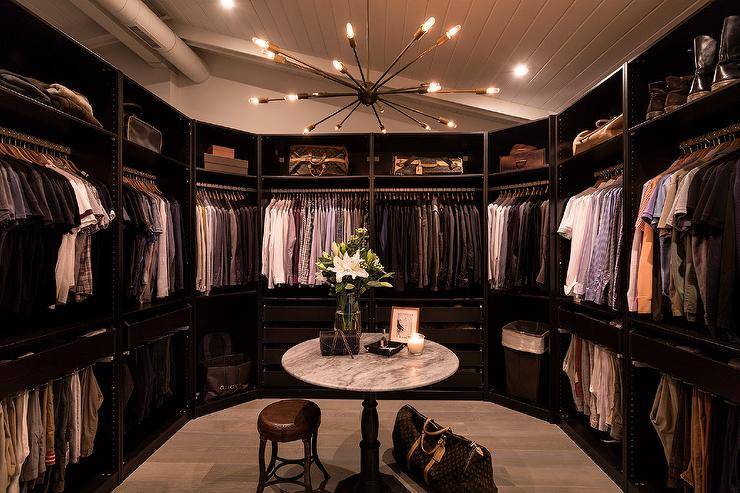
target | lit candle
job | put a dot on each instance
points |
(416, 344)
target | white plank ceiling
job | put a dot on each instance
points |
(568, 45)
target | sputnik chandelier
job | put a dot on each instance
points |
(364, 91)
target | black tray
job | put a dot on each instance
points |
(391, 349)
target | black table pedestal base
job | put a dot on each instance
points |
(387, 484)
(370, 480)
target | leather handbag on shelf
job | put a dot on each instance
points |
(445, 462)
(413, 165)
(225, 372)
(315, 160)
(523, 156)
(605, 130)
(138, 131)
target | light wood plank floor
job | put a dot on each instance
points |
(218, 453)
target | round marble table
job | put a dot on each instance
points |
(370, 374)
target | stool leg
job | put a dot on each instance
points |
(263, 472)
(307, 464)
(273, 456)
(314, 449)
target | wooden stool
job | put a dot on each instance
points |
(288, 421)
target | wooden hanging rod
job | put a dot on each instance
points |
(425, 190)
(30, 139)
(318, 190)
(707, 137)
(140, 174)
(611, 169)
(225, 187)
(516, 186)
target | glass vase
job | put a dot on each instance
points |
(348, 322)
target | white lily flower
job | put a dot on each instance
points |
(348, 266)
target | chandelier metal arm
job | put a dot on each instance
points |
(331, 114)
(377, 117)
(357, 82)
(359, 65)
(357, 104)
(416, 59)
(437, 118)
(393, 106)
(403, 90)
(393, 63)
(322, 95)
(298, 63)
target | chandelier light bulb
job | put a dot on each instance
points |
(261, 43)
(309, 128)
(270, 55)
(254, 100)
(427, 127)
(291, 97)
(427, 24)
(350, 31)
(521, 70)
(305, 130)
(451, 124)
(492, 90)
(452, 31)
(227, 4)
(383, 130)
(338, 65)
(434, 87)
(337, 127)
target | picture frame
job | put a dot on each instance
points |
(404, 323)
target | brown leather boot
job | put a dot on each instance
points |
(728, 67)
(678, 91)
(705, 58)
(656, 106)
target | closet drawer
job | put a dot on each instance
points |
(273, 356)
(453, 335)
(463, 378)
(473, 357)
(322, 314)
(140, 331)
(278, 378)
(438, 314)
(288, 335)
(297, 313)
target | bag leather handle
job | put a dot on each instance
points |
(426, 433)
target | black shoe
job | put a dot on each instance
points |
(728, 67)
(656, 107)
(705, 58)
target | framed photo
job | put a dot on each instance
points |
(404, 323)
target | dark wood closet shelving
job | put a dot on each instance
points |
(601, 153)
(264, 323)
(140, 154)
(15, 106)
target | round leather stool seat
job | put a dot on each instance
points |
(289, 420)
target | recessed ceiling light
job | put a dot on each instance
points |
(227, 4)
(521, 70)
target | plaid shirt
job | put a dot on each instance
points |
(307, 225)
(84, 286)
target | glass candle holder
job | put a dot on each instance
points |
(416, 344)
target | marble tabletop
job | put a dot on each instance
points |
(369, 372)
